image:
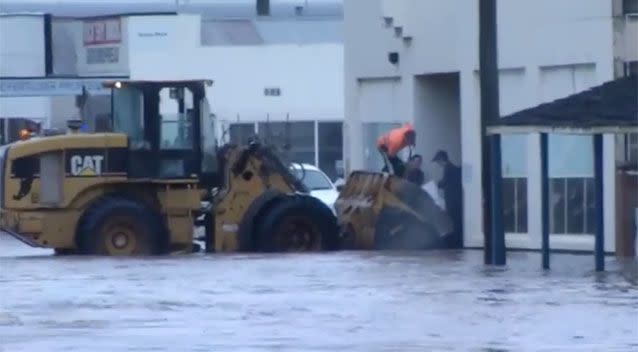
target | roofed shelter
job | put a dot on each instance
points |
(607, 109)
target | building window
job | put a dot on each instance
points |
(572, 205)
(632, 147)
(331, 148)
(515, 205)
(514, 169)
(571, 174)
(631, 68)
(295, 141)
(630, 7)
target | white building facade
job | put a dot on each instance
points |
(287, 93)
(417, 61)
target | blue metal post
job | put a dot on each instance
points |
(488, 67)
(599, 250)
(544, 201)
(498, 232)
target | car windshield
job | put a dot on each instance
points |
(313, 179)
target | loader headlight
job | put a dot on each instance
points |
(117, 85)
(25, 134)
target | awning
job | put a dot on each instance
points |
(43, 87)
(608, 108)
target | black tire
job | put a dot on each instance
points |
(65, 251)
(119, 226)
(297, 223)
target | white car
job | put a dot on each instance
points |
(318, 183)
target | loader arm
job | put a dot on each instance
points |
(255, 180)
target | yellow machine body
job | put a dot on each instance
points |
(254, 180)
(43, 208)
(108, 194)
(383, 211)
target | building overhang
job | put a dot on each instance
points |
(608, 108)
(613, 129)
(47, 87)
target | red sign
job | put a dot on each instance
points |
(102, 31)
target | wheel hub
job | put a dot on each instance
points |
(120, 240)
(297, 235)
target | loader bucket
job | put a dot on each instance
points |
(382, 211)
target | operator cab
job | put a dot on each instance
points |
(171, 132)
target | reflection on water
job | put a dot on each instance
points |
(431, 301)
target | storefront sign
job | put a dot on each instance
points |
(102, 31)
(153, 33)
(49, 87)
(102, 55)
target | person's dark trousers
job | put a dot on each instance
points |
(397, 165)
(455, 239)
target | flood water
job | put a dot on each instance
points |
(348, 301)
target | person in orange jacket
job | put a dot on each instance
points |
(391, 143)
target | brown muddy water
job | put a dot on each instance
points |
(345, 301)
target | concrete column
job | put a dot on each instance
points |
(534, 197)
(407, 108)
(545, 214)
(471, 164)
(534, 179)
(352, 128)
(609, 189)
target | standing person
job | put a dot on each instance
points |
(414, 173)
(451, 184)
(416, 161)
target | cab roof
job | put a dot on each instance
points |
(112, 83)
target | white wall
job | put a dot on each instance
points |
(308, 76)
(21, 46)
(438, 116)
(22, 55)
(29, 107)
(547, 49)
(630, 38)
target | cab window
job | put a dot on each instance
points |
(128, 115)
(176, 116)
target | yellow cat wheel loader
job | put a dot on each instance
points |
(142, 187)
(385, 210)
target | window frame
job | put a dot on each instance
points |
(630, 7)
(227, 125)
(566, 209)
(520, 225)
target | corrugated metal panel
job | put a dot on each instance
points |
(248, 32)
(300, 32)
(239, 32)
